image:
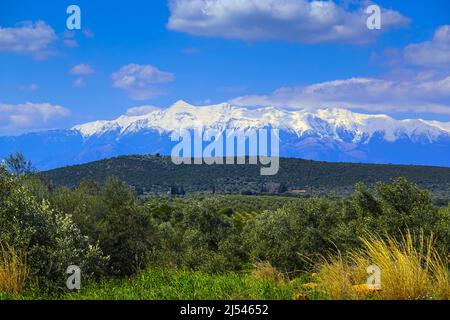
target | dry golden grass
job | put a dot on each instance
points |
(264, 270)
(13, 270)
(338, 277)
(411, 269)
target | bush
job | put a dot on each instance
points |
(113, 217)
(197, 234)
(291, 238)
(51, 240)
(442, 229)
(395, 207)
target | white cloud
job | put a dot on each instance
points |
(15, 119)
(292, 20)
(141, 110)
(141, 81)
(403, 90)
(377, 95)
(434, 53)
(82, 70)
(71, 37)
(29, 87)
(28, 38)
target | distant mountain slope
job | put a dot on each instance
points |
(326, 135)
(156, 174)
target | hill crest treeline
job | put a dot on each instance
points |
(156, 175)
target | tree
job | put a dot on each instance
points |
(111, 216)
(405, 206)
(17, 165)
(290, 238)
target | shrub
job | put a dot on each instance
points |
(290, 238)
(49, 238)
(395, 207)
(112, 217)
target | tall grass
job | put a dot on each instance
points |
(263, 270)
(411, 269)
(174, 284)
(13, 270)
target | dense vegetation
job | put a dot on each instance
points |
(155, 175)
(111, 233)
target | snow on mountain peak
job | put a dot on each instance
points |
(323, 122)
(180, 104)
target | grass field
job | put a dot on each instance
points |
(164, 284)
(159, 284)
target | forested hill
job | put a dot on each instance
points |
(153, 175)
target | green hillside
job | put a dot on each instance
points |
(155, 175)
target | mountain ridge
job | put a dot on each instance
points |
(171, 119)
(155, 175)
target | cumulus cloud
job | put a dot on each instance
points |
(82, 70)
(141, 110)
(28, 38)
(426, 90)
(420, 95)
(292, 20)
(70, 39)
(434, 53)
(141, 81)
(15, 119)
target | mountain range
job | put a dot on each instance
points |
(325, 134)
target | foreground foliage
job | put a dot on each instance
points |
(49, 238)
(112, 234)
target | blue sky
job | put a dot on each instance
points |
(213, 51)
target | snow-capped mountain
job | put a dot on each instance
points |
(325, 134)
(331, 123)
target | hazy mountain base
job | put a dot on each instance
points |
(53, 149)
